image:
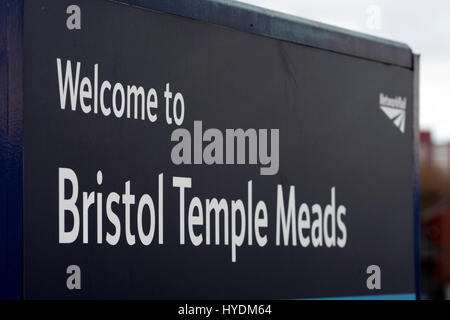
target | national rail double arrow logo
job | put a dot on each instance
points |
(395, 109)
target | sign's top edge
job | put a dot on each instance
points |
(282, 26)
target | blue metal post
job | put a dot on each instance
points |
(11, 148)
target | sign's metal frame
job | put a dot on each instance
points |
(226, 13)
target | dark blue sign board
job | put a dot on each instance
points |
(203, 150)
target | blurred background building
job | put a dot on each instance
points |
(435, 217)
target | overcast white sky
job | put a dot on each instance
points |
(423, 25)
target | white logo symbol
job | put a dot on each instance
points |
(395, 109)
